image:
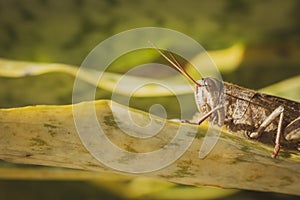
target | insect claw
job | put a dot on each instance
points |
(276, 151)
(254, 135)
(182, 121)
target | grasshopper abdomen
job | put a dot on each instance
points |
(267, 118)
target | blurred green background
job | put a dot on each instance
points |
(66, 31)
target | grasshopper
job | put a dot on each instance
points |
(269, 119)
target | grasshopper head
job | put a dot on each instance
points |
(209, 94)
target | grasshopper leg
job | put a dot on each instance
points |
(203, 118)
(292, 131)
(277, 112)
(278, 136)
(207, 115)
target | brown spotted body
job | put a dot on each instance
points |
(246, 113)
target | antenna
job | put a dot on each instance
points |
(175, 64)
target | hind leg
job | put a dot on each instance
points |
(278, 112)
(292, 132)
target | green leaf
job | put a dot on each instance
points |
(226, 60)
(46, 135)
(108, 80)
(289, 89)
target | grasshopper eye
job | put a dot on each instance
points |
(205, 82)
